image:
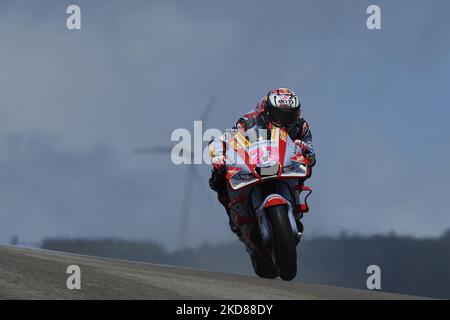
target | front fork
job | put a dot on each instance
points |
(273, 193)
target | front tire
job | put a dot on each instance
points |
(263, 268)
(284, 249)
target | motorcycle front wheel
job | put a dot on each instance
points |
(284, 250)
(263, 268)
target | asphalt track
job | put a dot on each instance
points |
(38, 274)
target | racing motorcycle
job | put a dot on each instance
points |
(264, 172)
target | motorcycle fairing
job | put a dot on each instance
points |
(254, 162)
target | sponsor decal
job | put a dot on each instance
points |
(298, 158)
(232, 171)
(235, 145)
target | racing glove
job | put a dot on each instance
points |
(307, 152)
(218, 162)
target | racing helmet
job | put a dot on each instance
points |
(282, 107)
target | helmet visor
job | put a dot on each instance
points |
(283, 117)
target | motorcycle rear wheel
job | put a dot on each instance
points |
(284, 249)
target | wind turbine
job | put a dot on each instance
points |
(192, 173)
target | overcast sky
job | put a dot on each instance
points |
(73, 104)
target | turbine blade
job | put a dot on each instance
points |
(209, 107)
(196, 174)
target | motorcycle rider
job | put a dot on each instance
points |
(279, 108)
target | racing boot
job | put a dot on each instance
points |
(300, 228)
(217, 183)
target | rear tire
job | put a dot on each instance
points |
(284, 249)
(264, 269)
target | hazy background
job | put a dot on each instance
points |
(408, 265)
(73, 104)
